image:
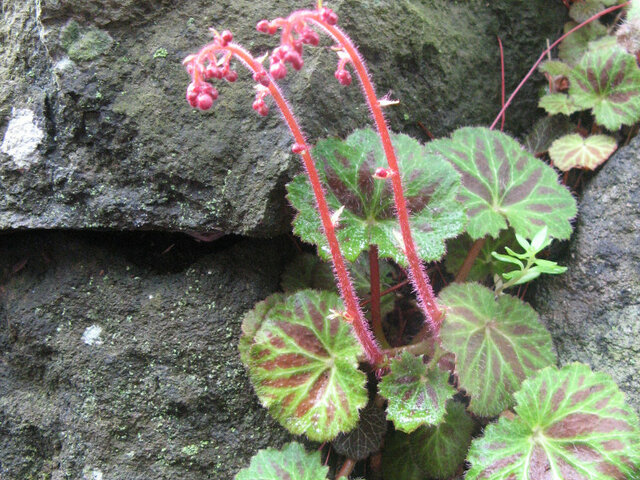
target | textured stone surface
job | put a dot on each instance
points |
(121, 149)
(118, 357)
(593, 310)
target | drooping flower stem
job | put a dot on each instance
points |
(417, 275)
(353, 311)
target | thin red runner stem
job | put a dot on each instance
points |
(502, 86)
(372, 350)
(417, 275)
(544, 54)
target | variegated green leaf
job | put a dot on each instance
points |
(290, 463)
(555, 68)
(585, 9)
(571, 424)
(429, 452)
(575, 151)
(303, 364)
(502, 182)
(545, 131)
(556, 103)
(573, 47)
(417, 393)
(608, 82)
(497, 344)
(485, 265)
(252, 321)
(347, 168)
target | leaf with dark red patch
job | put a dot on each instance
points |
(497, 344)
(429, 452)
(607, 80)
(302, 361)
(504, 184)
(417, 393)
(571, 424)
(545, 131)
(290, 463)
(575, 151)
(346, 168)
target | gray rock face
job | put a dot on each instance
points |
(593, 310)
(111, 368)
(96, 133)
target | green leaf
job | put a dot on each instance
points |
(608, 82)
(575, 151)
(417, 393)
(429, 452)
(572, 424)
(573, 47)
(556, 103)
(502, 182)
(585, 9)
(485, 265)
(303, 364)
(555, 68)
(290, 463)
(366, 438)
(347, 168)
(545, 131)
(252, 321)
(307, 271)
(497, 344)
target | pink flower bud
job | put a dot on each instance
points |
(226, 37)
(278, 70)
(382, 173)
(262, 78)
(343, 76)
(295, 59)
(328, 15)
(204, 101)
(263, 26)
(298, 148)
(192, 94)
(212, 72)
(310, 37)
(260, 107)
(231, 76)
(209, 90)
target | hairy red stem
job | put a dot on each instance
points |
(544, 54)
(502, 92)
(372, 351)
(417, 275)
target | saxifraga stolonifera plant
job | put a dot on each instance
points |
(376, 204)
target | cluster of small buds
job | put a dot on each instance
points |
(201, 95)
(342, 74)
(298, 148)
(258, 104)
(383, 173)
(299, 34)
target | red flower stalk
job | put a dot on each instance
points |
(213, 61)
(295, 29)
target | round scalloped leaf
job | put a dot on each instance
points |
(252, 321)
(545, 131)
(497, 344)
(608, 82)
(585, 9)
(366, 438)
(555, 68)
(429, 452)
(417, 393)
(503, 182)
(290, 463)
(347, 168)
(573, 47)
(572, 424)
(307, 271)
(485, 265)
(575, 151)
(556, 103)
(303, 363)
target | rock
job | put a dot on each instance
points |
(113, 144)
(593, 310)
(119, 361)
